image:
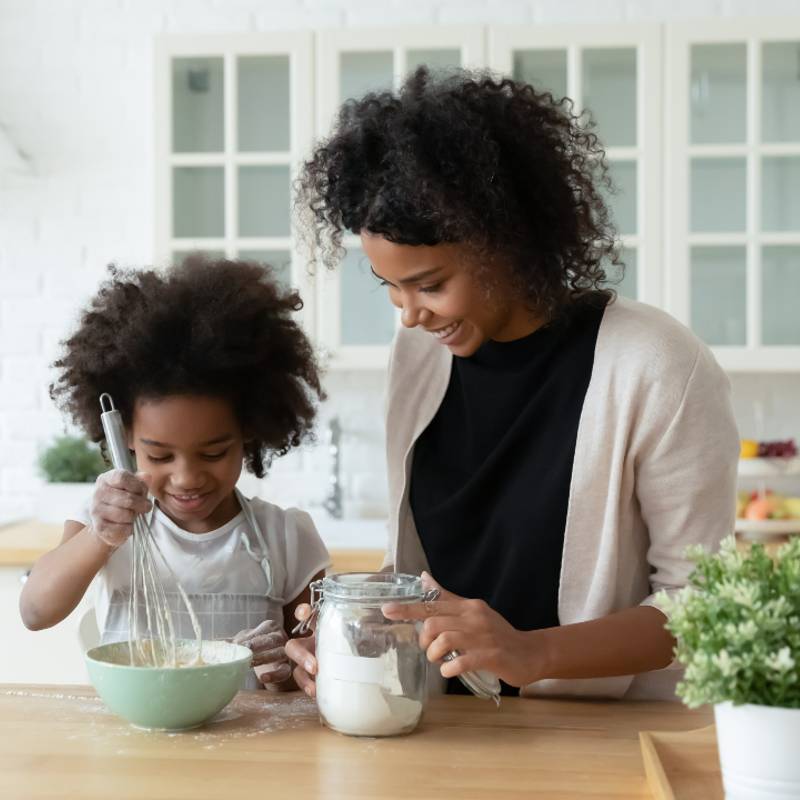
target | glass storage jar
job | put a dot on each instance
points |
(371, 675)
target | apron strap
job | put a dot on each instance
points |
(256, 528)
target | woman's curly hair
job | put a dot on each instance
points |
(215, 328)
(467, 157)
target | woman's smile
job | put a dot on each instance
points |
(445, 335)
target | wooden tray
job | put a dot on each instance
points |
(682, 765)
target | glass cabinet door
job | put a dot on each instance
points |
(614, 75)
(735, 189)
(718, 192)
(234, 122)
(357, 321)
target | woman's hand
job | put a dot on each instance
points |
(301, 651)
(119, 497)
(267, 641)
(482, 637)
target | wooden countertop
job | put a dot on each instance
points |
(58, 742)
(22, 543)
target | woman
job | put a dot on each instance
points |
(552, 449)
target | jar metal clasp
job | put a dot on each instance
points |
(304, 626)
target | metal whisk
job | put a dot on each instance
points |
(156, 644)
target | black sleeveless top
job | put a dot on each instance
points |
(491, 473)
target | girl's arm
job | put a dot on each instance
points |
(59, 579)
(268, 641)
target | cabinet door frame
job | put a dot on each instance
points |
(646, 38)
(299, 47)
(753, 356)
(470, 39)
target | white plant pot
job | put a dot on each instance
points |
(57, 502)
(758, 751)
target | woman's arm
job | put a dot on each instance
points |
(627, 642)
(624, 643)
(59, 579)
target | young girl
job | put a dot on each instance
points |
(209, 372)
(551, 449)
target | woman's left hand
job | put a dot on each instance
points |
(267, 641)
(482, 637)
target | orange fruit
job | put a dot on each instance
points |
(748, 448)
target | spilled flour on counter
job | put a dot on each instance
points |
(248, 716)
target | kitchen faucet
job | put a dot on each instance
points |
(333, 502)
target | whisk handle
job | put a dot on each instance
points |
(114, 431)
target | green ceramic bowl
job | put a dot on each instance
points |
(169, 698)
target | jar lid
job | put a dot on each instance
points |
(482, 684)
(372, 587)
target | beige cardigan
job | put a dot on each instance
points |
(654, 471)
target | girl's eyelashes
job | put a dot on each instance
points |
(206, 456)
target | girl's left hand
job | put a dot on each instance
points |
(267, 641)
(483, 638)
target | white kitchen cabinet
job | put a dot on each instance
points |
(49, 656)
(356, 320)
(614, 72)
(700, 122)
(732, 180)
(234, 119)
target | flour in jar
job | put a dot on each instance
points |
(362, 708)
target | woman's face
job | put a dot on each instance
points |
(436, 288)
(193, 448)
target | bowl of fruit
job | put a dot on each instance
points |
(762, 515)
(764, 459)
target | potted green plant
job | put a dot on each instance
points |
(737, 625)
(69, 466)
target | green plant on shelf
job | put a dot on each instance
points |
(737, 625)
(71, 459)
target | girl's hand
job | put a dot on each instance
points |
(267, 641)
(482, 637)
(301, 651)
(119, 497)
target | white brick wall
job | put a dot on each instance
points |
(76, 93)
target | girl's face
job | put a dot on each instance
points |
(436, 288)
(192, 447)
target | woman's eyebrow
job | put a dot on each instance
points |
(416, 278)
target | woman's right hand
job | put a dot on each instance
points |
(301, 651)
(119, 497)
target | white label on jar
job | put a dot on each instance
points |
(356, 669)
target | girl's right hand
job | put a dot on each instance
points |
(301, 651)
(119, 497)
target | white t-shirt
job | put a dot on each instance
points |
(226, 561)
